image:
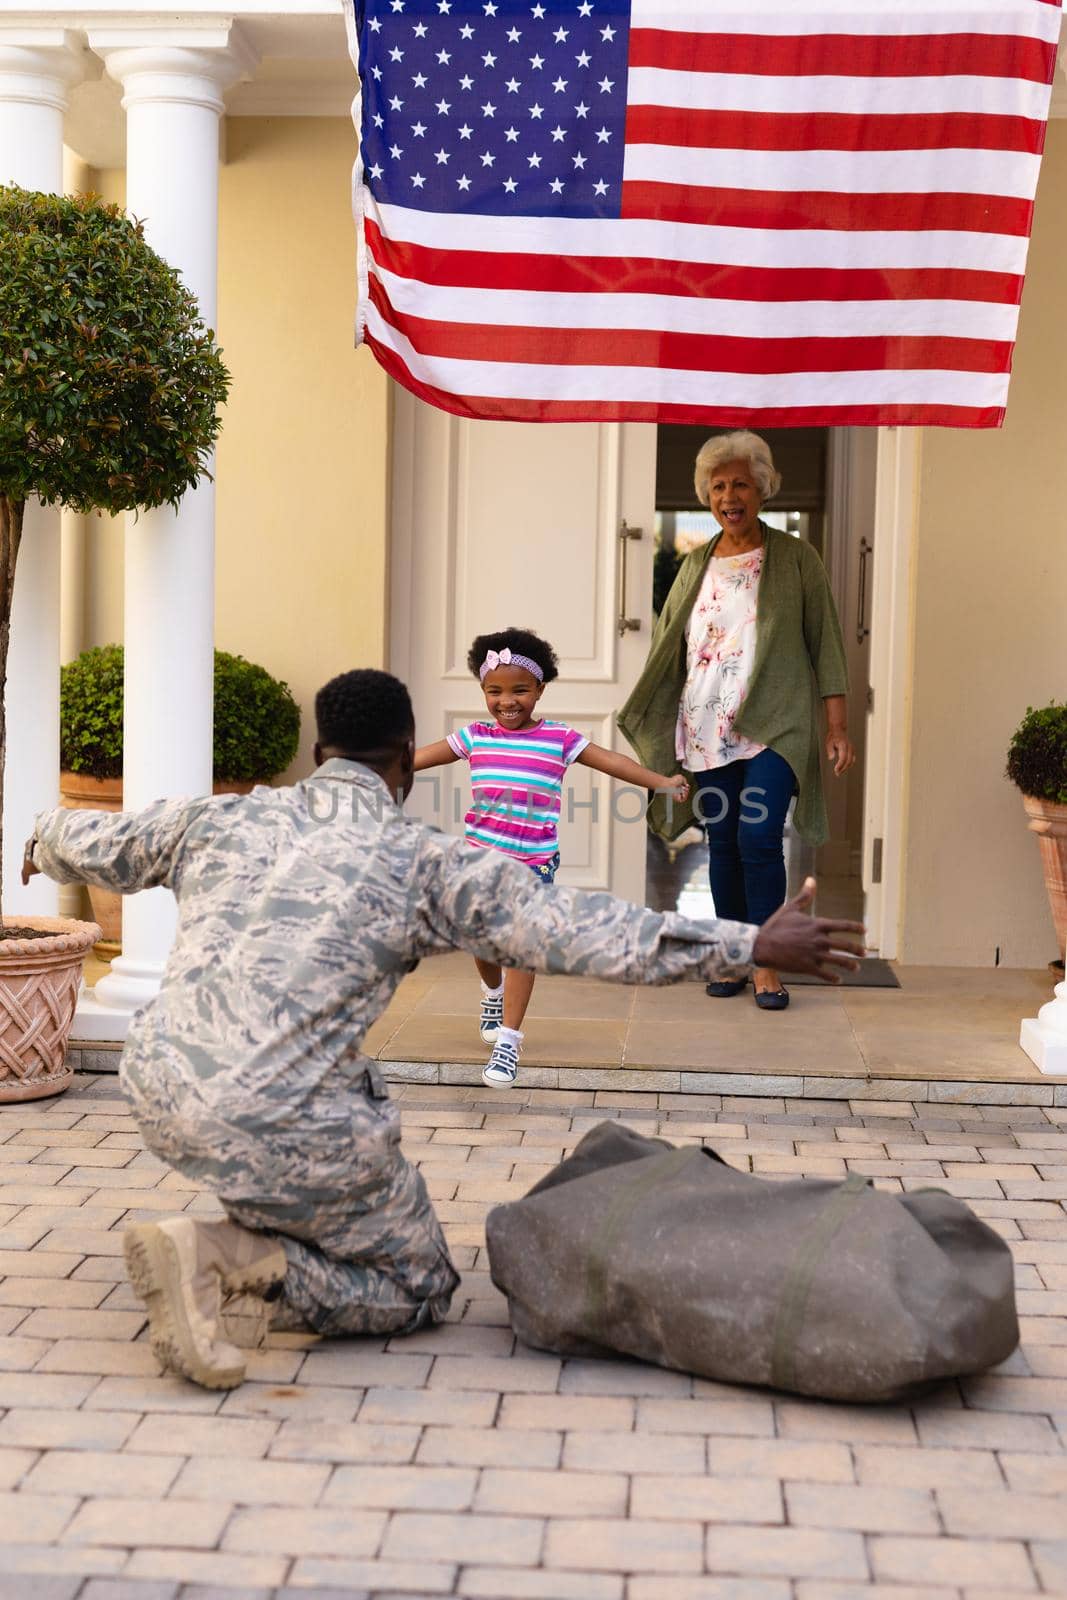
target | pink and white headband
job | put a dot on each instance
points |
(504, 658)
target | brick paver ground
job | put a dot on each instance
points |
(457, 1463)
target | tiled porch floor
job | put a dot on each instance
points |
(951, 1034)
(459, 1463)
(943, 1025)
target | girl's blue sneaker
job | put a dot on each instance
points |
(502, 1068)
(492, 1015)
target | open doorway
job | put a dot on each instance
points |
(827, 498)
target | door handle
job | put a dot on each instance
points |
(862, 626)
(626, 624)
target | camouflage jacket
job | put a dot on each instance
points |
(302, 908)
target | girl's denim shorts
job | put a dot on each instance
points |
(546, 870)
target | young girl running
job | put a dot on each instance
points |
(517, 764)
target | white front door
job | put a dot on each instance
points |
(889, 725)
(507, 524)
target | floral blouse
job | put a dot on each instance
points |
(720, 650)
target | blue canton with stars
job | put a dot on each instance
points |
(495, 107)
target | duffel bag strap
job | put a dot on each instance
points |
(649, 1174)
(801, 1275)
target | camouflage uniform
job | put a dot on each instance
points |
(301, 910)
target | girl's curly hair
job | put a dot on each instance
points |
(521, 642)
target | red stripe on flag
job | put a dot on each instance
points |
(486, 269)
(783, 208)
(848, 55)
(826, 130)
(507, 409)
(689, 352)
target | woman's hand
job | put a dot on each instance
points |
(838, 744)
(839, 750)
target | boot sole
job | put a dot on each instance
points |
(155, 1273)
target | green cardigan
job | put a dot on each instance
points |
(800, 660)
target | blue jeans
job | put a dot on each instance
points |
(743, 808)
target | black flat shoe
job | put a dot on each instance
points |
(723, 991)
(771, 999)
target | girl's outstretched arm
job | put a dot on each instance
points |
(619, 766)
(434, 755)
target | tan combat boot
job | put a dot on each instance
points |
(180, 1269)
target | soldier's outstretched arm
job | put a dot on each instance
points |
(482, 902)
(126, 851)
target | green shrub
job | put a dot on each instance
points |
(257, 721)
(1037, 755)
(90, 713)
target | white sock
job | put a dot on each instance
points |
(513, 1036)
(492, 994)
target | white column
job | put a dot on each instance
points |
(172, 94)
(1044, 1037)
(74, 527)
(37, 68)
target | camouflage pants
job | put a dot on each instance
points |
(365, 1249)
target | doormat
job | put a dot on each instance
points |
(872, 973)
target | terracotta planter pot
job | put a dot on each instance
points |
(1049, 821)
(39, 981)
(79, 793)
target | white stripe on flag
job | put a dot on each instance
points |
(639, 238)
(672, 386)
(787, 17)
(741, 319)
(872, 97)
(932, 172)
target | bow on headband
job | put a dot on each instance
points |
(505, 658)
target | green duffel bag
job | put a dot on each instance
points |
(633, 1247)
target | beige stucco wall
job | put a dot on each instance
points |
(303, 457)
(991, 635)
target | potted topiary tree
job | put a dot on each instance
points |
(1037, 764)
(256, 733)
(109, 391)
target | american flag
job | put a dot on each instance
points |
(779, 214)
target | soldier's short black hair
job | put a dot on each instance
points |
(363, 712)
(521, 642)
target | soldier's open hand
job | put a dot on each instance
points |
(30, 869)
(792, 940)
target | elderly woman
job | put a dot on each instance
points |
(746, 647)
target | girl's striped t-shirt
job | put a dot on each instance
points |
(517, 784)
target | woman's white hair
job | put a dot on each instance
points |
(742, 446)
